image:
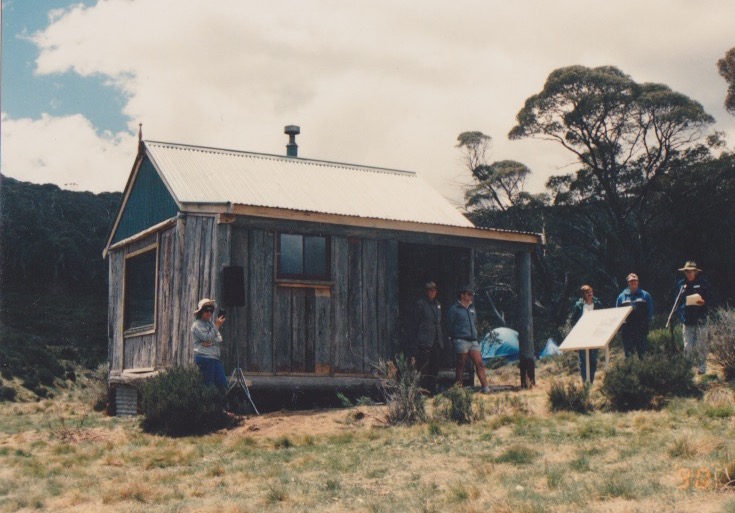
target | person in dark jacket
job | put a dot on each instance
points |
(587, 302)
(462, 327)
(635, 328)
(694, 293)
(428, 337)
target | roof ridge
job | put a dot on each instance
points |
(284, 158)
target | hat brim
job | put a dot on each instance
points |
(205, 305)
(691, 269)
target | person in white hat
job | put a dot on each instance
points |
(207, 342)
(694, 293)
(635, 328)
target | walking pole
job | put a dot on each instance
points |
(671, 314)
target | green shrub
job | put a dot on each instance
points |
(401, 389)
(458, 405)
(663, 340)
(634, 384)
(573, 397)
(177, 403)
(721, 335)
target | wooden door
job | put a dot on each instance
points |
(301, 333)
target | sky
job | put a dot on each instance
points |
(381, 83)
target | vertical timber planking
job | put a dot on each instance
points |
(282, 329)
(355, 340)
(369, 292)
(222, 244)
(298, 333)
(115, 320)
(164, 323)
(261, 297)
(238, 316)
(309, 330)
(339, 318)
(391, 320)
(179, 308)
(322, 331)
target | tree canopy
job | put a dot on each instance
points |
(726, 67)
(625, 136)
(498, 185)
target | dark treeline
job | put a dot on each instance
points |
(53, 278)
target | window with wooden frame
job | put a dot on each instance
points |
(139, 301)
(303, 257)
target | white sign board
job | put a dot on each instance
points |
(595, 329)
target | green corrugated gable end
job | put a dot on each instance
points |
(149, 203)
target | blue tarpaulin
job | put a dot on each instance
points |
(504, 342)
(500, 342)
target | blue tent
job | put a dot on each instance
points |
(500, 342)
(551, 349)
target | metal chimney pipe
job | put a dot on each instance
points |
(292, 149)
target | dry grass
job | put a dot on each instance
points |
(521, 457)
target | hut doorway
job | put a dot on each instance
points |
(448, 267)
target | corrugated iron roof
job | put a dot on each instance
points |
(197, 174)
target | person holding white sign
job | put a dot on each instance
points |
(694, 292)
(635, 329)
(586, 303)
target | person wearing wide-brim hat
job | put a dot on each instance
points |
(462, 327)
(694, 293)
(207, 343)
(428, 337)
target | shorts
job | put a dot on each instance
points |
(463, 346)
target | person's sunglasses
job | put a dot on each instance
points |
(209, 310)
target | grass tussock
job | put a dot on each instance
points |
(458, 405)
(570, 397)
(721, 335)
(401, 388)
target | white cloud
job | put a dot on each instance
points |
(67, 152)
(380, 83)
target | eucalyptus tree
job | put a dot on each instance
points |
(497, 185)
(726, 67)
(625, 136)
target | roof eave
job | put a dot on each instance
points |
(472, 232)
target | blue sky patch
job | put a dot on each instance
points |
(28, 95)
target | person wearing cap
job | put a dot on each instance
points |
(586, 303)
(428, 338)
(207, 342)
(635, 328)
(693, 292)
(462, 327)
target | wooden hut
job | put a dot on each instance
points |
(318, 263)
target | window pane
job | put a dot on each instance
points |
(291, 260)
(315, 257)
(140, 290)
